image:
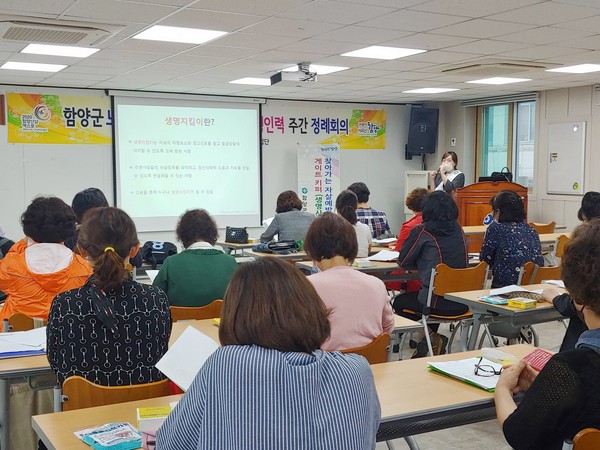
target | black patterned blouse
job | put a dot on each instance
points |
(79, 343)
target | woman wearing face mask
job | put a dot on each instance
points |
(447, 178)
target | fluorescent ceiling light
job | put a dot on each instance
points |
(499, 80)
(379, 52)
(429, 91)
(253, 81)
(59, 50)
(179, 34)
(33, 66)
(579, 68)
(321, 70)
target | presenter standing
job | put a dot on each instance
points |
(447, 178)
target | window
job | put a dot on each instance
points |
(505, 138)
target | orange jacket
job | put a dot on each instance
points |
(32, 293)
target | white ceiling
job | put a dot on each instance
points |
(268, 35)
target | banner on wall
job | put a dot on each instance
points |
(58, 119)
(363, 129)
(318, 177)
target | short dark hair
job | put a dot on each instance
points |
(196, 225)
(107, 235)
(346, 204)
(86, 199)
(439, 206)
(416, 199)
(510, 205)
(361, 190)
(287, 201)
(590, 206)
(272, 304)
(48, 219)
(454, 158)
(330, 235)
(579, 265)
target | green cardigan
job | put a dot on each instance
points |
(195, 277)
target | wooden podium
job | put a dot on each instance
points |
(473, 203)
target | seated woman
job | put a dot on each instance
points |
(447, 178)
(201, 273)
(439, 239)
(345, 204)
(87, 199)
(360, 306)
(270, 386)
(290, 223)
(414, 201)
(509, 242)
(111, 331)
(563, 398)
(590, 209)
(40, 266)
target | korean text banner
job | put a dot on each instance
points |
(364, 129)
(58, 119)
(318, 177)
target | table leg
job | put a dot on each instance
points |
(4, 414)
(474, 332)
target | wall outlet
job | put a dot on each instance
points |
(453, 142)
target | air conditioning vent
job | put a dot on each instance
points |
(41, 31)
(40, 35)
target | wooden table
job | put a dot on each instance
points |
(11, 368)
(413, 400)
(232, 247)
(380, 269)
(487, 313)
(298, 256)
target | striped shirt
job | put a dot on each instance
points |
(253, 398)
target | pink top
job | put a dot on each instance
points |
(360, 306)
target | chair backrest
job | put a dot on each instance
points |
(543, 228)
(531, 273)
(559, 245)
(210, 311)
(376, 352)
(587, 439)
(80, 393)
(20, 322)
(445, 279)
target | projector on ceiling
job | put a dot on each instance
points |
(293, 79)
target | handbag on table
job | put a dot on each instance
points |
(236, 235)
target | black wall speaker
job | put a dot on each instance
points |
(422, 133)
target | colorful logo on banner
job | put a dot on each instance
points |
(58, 119)
(319, 177)
(364, 130)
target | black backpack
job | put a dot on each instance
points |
(5, 245)
(155, 252)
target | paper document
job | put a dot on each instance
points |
(507, 289)
(23, 343)
(464, 370)
(152, 274)
(384, 241)
(186, 356)
(384, 255)
(559, 283)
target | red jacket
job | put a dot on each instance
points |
(411, 285)
(31, 293)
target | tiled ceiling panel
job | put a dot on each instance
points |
(265, 36)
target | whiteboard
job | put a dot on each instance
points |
(566, 157)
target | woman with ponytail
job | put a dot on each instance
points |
(112, 331)
(346, 204)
